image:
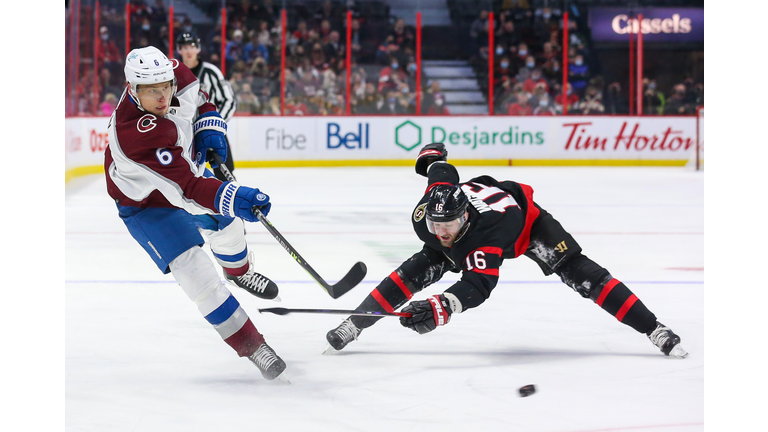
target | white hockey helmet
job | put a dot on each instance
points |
(148, 65)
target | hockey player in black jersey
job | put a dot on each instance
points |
(472, 228)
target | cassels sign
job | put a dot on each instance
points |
(682, 25)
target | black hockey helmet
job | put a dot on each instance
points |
(187, 38)
(446, 203)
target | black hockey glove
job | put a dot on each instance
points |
(426, 315)
(430, 153)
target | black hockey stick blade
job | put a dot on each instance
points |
(350, 280)
(286, 311)
(353, 277)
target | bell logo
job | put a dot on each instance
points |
(408, 135)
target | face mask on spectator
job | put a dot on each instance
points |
(652, 85)
(395, 65)
(405, 90)
(578, 62)
(104, 36)
(499, 51)
(530, 64)
(438, 102)
(412, 67)
(555, 68)
(523, 52)
(145, 27)
(504, 65)
(543, 102)
(546, 16)
(392, 101)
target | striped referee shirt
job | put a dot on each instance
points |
(219, 91)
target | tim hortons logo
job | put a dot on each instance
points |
(580, 138)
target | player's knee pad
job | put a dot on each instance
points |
(583, 275)
(199, 280)
(229, 246)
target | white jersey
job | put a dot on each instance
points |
(150, 161)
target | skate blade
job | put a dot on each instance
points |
(282, 379)
(277, 299)
(678, 352)
(330, 351)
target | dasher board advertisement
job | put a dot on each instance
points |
(532, 140)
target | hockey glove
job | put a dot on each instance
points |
(233, 200)
(426, 315)
(210, 132)
(430, 153)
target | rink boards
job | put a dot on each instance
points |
(395, 140)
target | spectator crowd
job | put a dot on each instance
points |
(528, 69)
(527, 54)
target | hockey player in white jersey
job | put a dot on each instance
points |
(159, 137)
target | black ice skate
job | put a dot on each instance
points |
(667, 341)
(342, 335)
(255, 283)
(269, 363)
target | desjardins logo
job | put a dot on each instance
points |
(410, 135)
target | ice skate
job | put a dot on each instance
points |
(269, 363)
(342, 335)
(667, 341)
(255, 283)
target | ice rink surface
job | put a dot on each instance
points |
(140, 358)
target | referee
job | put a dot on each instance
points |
(212, 82)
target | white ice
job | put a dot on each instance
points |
(140, 358)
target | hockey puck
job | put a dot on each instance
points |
(527, 390)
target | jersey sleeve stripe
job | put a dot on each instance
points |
(489, 272)
(399, 282)
(522, 243)
(491, 250)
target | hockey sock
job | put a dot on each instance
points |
(197, 276)
(391, 293)
(616, 299)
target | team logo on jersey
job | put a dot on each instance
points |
(175, 63)
(421, 210)
(146, 123)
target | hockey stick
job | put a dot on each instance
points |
(285, 311)
(353, 277)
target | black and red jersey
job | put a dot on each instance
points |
(499, 225)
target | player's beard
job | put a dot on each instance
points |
(447, 243)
